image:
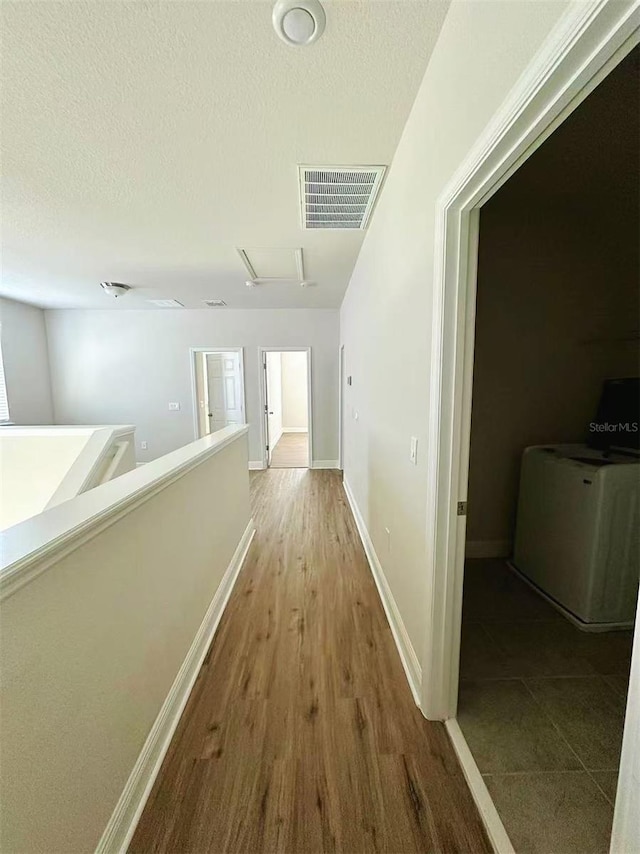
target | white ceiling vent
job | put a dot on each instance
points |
(215, 303)
(166, 303)
(338, 197)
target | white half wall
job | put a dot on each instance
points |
(33, 467)
(102, 639)
(386, 314)
(295, 408)
(26, 363)
(127, 366)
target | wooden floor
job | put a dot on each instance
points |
(291, 451)
(301, 734)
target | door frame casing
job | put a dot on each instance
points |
(193, 355)
(262, 351)
(586, 44)
(589, 40)
(341, 407)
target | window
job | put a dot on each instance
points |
(4, 402)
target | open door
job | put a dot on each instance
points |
(267, 415)
(218, 388)
(224, 390)
(286, 407)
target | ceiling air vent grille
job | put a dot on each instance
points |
(340, 197)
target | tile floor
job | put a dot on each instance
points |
(542, 708)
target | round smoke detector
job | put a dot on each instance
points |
(299, 22)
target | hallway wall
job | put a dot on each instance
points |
(386, 313)
(126, 366)
(26, 363)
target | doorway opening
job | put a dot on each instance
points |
(218, 388)
(287, 407)
(552, 545)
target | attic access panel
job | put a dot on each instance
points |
(338, 197)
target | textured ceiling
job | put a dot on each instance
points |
(144, 141)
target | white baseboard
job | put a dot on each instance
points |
(125, 817)
(256, 465)
(407, 653)
(487, 548)
(295, 429)
(325, 464)
(488, 813)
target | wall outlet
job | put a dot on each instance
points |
(144, 446)
(413, 452)
(174, 407)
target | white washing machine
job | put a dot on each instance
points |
(578, 532)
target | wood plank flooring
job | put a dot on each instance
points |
(301, 734)
(291, 451)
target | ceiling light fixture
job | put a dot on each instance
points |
(114, 289)
(299, 22)
(251, 283)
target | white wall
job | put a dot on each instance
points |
(274, 397)
(41, 467)
(92, 644)
(295, 407)
(625, 835)
(385, 316)
(32, 468)
(26, 363)
(126, 366)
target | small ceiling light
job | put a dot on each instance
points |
(299, 22)
(305, 283)
(251, 283)
(114, 289)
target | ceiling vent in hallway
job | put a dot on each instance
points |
(338, 197)
(166, 303)
(215, 303)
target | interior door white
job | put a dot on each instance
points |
(273, 400)
(267, 419)
(224, 385)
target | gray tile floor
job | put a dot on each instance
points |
(542, 708)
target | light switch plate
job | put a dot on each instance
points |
(413, 453)
(174, 407)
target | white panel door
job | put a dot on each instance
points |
(273, 400)
(224, 390)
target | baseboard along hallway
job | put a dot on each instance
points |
(301, 733)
